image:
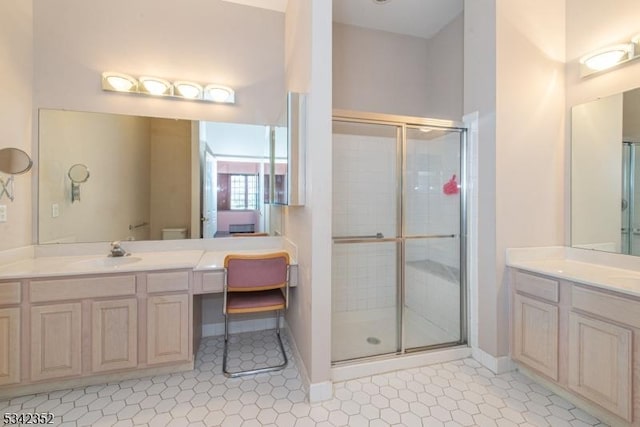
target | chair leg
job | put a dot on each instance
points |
(253, 371)
(226, 343)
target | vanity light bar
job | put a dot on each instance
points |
(155, 86)
(610, 56)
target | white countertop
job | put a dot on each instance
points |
(53, 261)
(98, 264)
(602, 270)
(214, 260)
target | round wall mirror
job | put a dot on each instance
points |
(79, 173)
(14, 161)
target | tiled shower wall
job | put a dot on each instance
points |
(365, 186)
(364, 203)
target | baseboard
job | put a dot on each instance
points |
(319, 392)
(497, 365)
(316, 392)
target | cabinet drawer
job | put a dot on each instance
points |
(213, 282)
(536, 286)
(168, 282)
(93, 287)
(10, 293)
(623, 310)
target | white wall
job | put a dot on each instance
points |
(514, 78)
(16, 69)
(384, 72)
(445, 56)
(199, 40)
(379, 71)
(529, 134)
(308, 69)
(480, 96)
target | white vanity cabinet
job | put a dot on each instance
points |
(10, 298)
(75, 330)
(114, 334)
(64, 311)
(56, 341)
(535, 323)
(168, 317)
(580, 338)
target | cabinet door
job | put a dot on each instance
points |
(9, 346)
(167, 329)
(114, 334)
(600, 356)
(56, 341)
(535, 332)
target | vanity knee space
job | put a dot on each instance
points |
(580, 338)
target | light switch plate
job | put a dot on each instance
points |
(3, 213)
(55, 210)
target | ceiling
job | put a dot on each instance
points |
(419, 18)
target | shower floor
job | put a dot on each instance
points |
(365, 333)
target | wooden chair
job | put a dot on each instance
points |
(255, 284)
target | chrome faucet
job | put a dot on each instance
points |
(117, 250)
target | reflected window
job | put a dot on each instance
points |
(244, 192)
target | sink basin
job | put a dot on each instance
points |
(107, 262)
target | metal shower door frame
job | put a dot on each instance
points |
(402, 123)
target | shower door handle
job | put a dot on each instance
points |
(432, 236)
(375, 238)
(371, 236)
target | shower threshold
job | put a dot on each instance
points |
(375, 365)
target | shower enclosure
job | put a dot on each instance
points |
(630, 202)
(398, 258)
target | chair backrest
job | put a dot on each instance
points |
(256, 272)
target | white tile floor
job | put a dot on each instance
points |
(460, 393)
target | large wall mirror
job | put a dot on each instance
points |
(605, 174)
(157, 178)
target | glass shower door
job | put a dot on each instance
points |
(433, 292)
(366, 248)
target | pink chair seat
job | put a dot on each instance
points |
(253, 302)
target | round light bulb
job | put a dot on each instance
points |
(120, 82)
(155, 86)
(605, 58)
(219, 93)
(188, 89)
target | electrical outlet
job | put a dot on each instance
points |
(55, 210)
(3, 213)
